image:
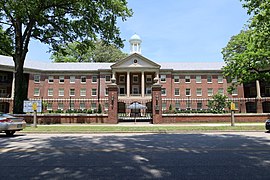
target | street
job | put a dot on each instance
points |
(224, 155)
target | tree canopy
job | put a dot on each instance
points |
(247, 55)
(100, 52)
(56, 22)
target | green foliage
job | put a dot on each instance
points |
(218, 103)
(99, 52)
(56, 22)
(247, 54)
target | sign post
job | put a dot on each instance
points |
(232, 114)
(33, 106)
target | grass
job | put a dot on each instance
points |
(126, 129)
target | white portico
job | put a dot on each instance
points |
(135, 74)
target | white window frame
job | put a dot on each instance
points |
(188, 90)
(94, 107)
(94, 92)
(176, 79)
(177, 91)
(36, 91)
(72, 79)
(163, 78)
(50, 79)
(61, 92)
(199, 91)
(220, 79)
(61, 78)
(210, 92)
(72, 92)
(149, 79)
(50, 92)
(49, 106)
(122, 78)
(106, 91)
(36, 78)
(83, 79)
(82, 106)
(198, 79)
(187, 79)
(60, 106)
(221, 91)
(135, 78)
(94, 79)
(163, 92)
(135, 88)
(209, 79)
(235, 92)
(83, 92)
(108, 78)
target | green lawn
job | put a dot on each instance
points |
(154, 129)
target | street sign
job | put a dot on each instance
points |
(31, 106)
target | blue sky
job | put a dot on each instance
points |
(176, 30)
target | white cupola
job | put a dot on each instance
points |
(135, 44)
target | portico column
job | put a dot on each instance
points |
(142, 84)
(128, 84)
(13, 87)
(258, 89)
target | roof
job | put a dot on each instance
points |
(43, 66)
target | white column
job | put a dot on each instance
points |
(13, 86)
(142, 84)
(128, 83)
(258, 89)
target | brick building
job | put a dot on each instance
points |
(85, 86)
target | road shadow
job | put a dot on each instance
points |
(147, 156)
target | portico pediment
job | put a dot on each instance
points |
(135, 61)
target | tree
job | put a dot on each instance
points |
(101, 52)
(247, 55)
(55, 22)
(218, 103)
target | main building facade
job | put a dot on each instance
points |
(85, 86)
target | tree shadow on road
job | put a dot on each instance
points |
(146, 156)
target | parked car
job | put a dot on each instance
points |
(10, 124)
(267, 124)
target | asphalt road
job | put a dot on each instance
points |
(244, 155)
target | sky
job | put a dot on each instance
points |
(175, 30)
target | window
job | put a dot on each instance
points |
(267, 90)
(49, 106)
(37, 78)
(235, 92)
(61, 92)
(177, 92)
(50, 79)
(188, 92)
(122, 78)
(82, 106)
(107, 78)
(94, 92)
(220, 91)
(163, 91)
(234, 80)
(83, 92)
(149, 78)
(135, 78)
(210, 92)
(36, 92)
(220, 79)
(148, 90)
(199, 91)
(106, 106)
(199, 104)
(122, 90)
(61, 79)
(177, 105)
(188, 104)
(106, 91)
(83, 79)
(72, 79)
(164, 106)
(93, 105)
(209, 79)
(50, 92)
(187, 79)
(94, 79)
(60, 106)
(176, 79)
(198, 79)
(135, 89)
(72, 92)
(162, 78)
